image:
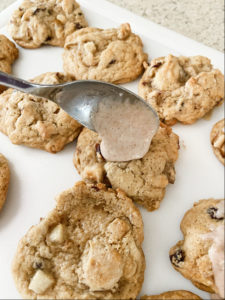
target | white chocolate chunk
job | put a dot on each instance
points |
(57, 234)
(40, 282)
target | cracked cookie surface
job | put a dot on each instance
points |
(4, 179)
(8, 54)
(40, 22)
(182, 88)
(143, 180)
(37, 122)
(112, 55)
(176, 295)
(191, 256)
(217, 140)
(88, 247)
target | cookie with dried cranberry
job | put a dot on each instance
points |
(143, 180)
(8, 54)
(88, 247)
(4, 179)
(41, 22)
(200, 256)
(113, 55)
(175, 295)
(217, 140)
(182, 89)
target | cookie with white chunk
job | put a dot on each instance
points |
(8, 54)
(113, 55)
(200, 255)
(4, 179)
(182, 89)
(143, 180)
(217, 140)
(37, 122)
(88, 247)
(175, 295)
(40, 22)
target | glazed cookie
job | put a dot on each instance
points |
(8, 54)
(40, 22)
(37, 122)
(144, 180)
(113, 55)
(182, 88)
(200, 256)
(176, 295)
(217, 140)
(4, 179)
(88, 247)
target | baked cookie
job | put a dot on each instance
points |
(4, 179)
(88, 247)
(8, 54)
(203, 230)
(176, 295)
(40, 22)
(217, 140)
(37, 122)
(182, 88)
(143, 180)
(112, 55)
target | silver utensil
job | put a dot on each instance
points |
(80, 99)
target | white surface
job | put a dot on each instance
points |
(38, 176)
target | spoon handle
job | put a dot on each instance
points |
(16, 83)
(46, 91)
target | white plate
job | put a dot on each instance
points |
(37, 176)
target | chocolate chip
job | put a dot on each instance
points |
(78, 26)
(107, 182)
(212, 211)
(157, 65)
(94, 187)
(48, 38)
(144, 83)
(37, 10)
(38, 265)
(112, 62)
(177, 257)
(97, 148)
(80, 14)
(57, 111)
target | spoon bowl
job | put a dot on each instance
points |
(81, 98)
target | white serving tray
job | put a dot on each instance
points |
(37, 176)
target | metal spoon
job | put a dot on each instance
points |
(80, 99)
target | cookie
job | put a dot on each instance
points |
(217, 140)
(192, 256)
(143, 180)
(37, 122)
(112, 55)
(41, 22)
(88, 247)
(176, 295)
(8, 54)
(182, 88)
(4, 179)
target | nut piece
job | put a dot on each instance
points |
(40, 282)
(57, 234)
(217, 140)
